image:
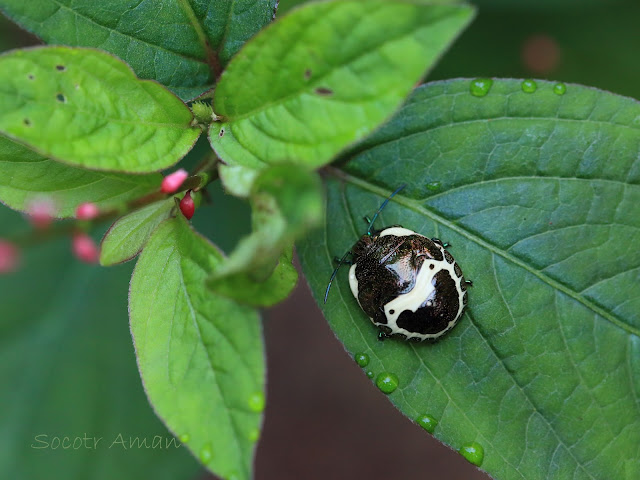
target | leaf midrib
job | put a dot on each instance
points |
(414, 206)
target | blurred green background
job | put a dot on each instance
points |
(67, 366)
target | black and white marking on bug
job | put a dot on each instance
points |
(407, 284)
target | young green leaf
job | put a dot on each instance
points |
(200, 355)
(242, 287)
(538, 194)
(178, 43)
(287, 203)
(80, 385)
(26, 176)
(86, 108)
(129, 234)
(323, 77)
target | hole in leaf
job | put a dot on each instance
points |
(31, 77)
(61, 98)
(61, 68)
(27, 122)
(324, 91)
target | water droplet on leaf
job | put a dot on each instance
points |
(206, 454)
(387, 382)
(433, 186)
(529, 86)
(361, 359)
(473, 452)
(256, 402)
(184, 438)
(254, 435)
(427, 422)
(559, 88)
(370, 374)
(481, 86)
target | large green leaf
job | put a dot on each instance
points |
(539, 195)
(28, 176)
(200, 356)
(87, 108)
(179, 43)
(323, 77)
(68, 370)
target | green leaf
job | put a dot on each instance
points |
(242, 287)
(26, 176)
(67, 357)
(129, 234)
(200, 356)
(179, 43)
(336, 70)
(86, 108)
(539, 195)
(287, 203)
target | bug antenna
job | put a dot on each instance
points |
(384, 204)
(333, 275)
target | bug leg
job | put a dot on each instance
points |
(340, 261)
(440, 242)
(382, 336)
(367, 220)
(469, 283)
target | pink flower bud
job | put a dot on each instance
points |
(85, 249)
(187, 206)
(171, 183)
(41, 213)
(87, 211)
(9, 257)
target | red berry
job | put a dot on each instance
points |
(9, 257)
(87, 211)
(171, 183)
(85, 249)
(187, 206)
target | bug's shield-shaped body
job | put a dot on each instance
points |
(407, 284)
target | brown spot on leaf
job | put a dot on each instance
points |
(61, 68)
(221, 134)
(307, 74)
(324, 91)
